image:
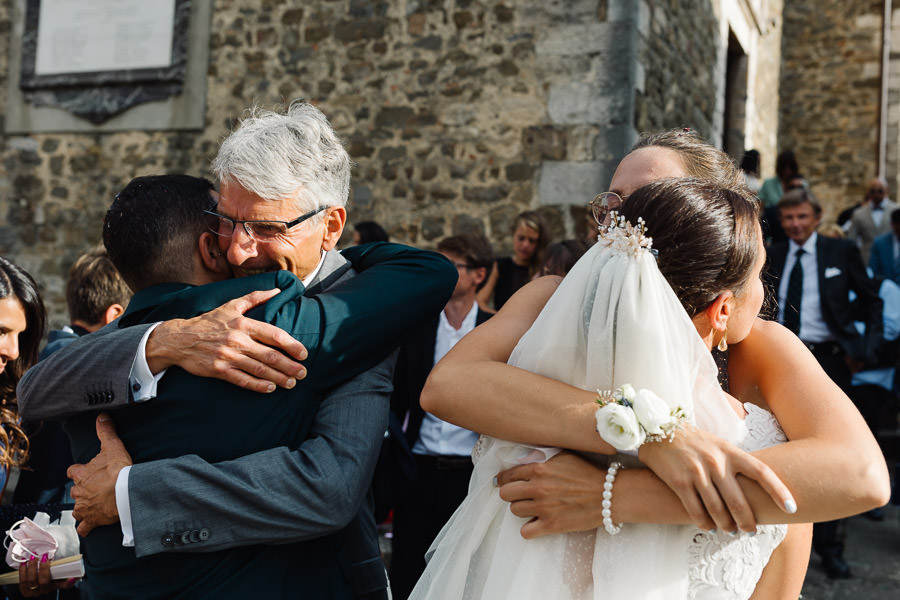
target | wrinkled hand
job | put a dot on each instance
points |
(702, 470)
(226, 345)
(95, 483)
(558, 496)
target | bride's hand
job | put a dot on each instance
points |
(703, 470)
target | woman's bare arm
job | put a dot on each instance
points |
(472, 386)
(485, 295)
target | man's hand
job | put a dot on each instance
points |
(225, 344)
(95, 483)
(702, 469)
(559, 496)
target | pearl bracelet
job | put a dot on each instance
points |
(607, 499)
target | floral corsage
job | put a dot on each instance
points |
(628, 418)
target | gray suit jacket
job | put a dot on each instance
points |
(312, 491)
(863, 229)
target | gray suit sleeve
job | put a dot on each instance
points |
(89, 374)
(271, 497)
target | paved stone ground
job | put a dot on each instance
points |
(872, 549)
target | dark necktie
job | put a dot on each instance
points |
(794, 296)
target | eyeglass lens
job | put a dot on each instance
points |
(603, 204)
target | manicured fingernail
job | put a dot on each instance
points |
(752, 533)
(71, 580)
(732, 533)
(44, 558)
(790, 506)
(494, 481)
(301, 373)
(290, 383)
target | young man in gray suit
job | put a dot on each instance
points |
(271, 169)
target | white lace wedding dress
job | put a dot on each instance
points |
(613, 320)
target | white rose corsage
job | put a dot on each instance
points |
(628, 418)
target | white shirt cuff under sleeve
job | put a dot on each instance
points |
(123, 505)
(142, 381)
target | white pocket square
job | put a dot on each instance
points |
(831, 272)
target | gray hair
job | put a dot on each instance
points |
(291, 155)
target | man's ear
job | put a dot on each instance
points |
(335, 219)
(480, 275)
(112, 312)
(211, 255)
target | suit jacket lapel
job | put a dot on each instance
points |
(333, 268)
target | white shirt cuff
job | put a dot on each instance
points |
(142, 381)
(123, 505)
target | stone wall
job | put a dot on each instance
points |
(830, 90)
(458, 113)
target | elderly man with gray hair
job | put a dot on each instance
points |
(284, 184)
(872, 218)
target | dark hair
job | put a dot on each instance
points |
(533, 220)
(895, 215)
(750, 162)
(562, 256)
(472, 247)
(707, 237)
(798, 196)
(94, 285)
(786, 160)
(151, 229)
(701, 160)
(17, 283)
(370, 231)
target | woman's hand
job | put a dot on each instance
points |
(35, 580)
(558, 496)
(703, 471)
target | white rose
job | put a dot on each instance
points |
(652, 412)
(618, 426)
(627, 391)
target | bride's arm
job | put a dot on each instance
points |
(832, 464)
(472, 386)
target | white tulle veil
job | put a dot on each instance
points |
(614, 319)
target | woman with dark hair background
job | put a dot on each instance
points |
(369, 231)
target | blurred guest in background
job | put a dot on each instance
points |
(530, 237)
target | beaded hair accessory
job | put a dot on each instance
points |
(620, 235)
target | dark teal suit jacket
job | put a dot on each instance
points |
(348, 329)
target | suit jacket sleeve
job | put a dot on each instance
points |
(89, 374)
(869, 307)
(274, 496)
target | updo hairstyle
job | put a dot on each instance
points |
(707, 237)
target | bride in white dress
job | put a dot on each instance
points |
(832, 462)
(615, 320)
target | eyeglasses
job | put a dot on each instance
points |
(605, 203)
(462, 265)
(261, 231)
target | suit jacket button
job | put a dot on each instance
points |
(195, 536)
(204, 534)
(168, 540)
(185, 537)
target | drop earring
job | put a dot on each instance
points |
(723, 345)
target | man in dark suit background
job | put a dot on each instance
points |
(431, 459)
(274, 168)
(885, 257)
(812, 277)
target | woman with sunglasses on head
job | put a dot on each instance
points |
(830, 447)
